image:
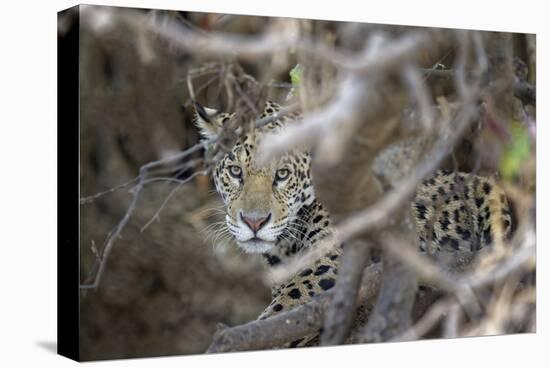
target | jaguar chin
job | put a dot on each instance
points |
(256, 245)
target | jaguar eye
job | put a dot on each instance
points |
(282, 174)
(235, 171)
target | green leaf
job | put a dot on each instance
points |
(295, 75)
(516, 152)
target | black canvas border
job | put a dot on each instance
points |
(68, 187)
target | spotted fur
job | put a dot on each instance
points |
(457, 211)
(453, 211)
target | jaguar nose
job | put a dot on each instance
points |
(255, 222)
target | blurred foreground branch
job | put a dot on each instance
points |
(361, 117)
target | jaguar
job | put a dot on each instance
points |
(272, 209)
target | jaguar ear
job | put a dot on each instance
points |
(207, 121)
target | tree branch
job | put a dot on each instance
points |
(341, 310)
(392, 312)
(296, 323)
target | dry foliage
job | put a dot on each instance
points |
(463, 96)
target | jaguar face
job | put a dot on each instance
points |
(262, 202)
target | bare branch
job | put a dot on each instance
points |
(109, 242)
(433, 274)
(91, 198)
(274, 41)
(378, 214)
(174, 190)
(426, 323)
(354, 98)
(392, 312)
(136, 191)
(341, 310)
(421, 95)
(293, 324)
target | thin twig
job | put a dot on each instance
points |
(111, 238)
(421, 95)
(91, 198)
(426, 323)
(169, 196)
(115, 233)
